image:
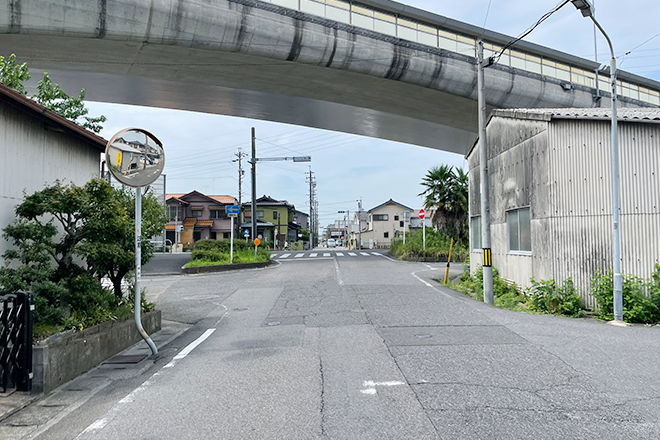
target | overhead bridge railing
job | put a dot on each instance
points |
(429, 34)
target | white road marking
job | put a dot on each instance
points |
(415, 275)
(298, 256)
(273, 256)
(364, 253)
(371, 383)
(351, 254)
(313, 255)
(340, 254)
(339, 280)
(285, 255)
(375, 253)
(325, 254)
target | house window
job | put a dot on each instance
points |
(260, 213)
(214, 235)
(173, 213)
(197, 213)
(217, 213)
(475, 232)
(396, 218)
(197, 235)
(381, 217)
(225, 235)
(518, 230)
(274, 215)
(401, 224)
(386, 234)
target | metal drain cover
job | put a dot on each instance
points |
(126, 359)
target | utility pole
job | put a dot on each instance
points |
(487, 264)
(241, 172)
(359, 216)
(313, 239)
(253, 205)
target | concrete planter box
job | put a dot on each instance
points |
(225, 267)
(64, 356)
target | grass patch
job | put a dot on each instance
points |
(437, 247)
(217, 252)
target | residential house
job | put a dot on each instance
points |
(551, 194)
(301, 218)
(197, 217)
(385, 221)
(275, 221)
(37, 148)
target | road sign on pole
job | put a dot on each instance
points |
(231, 209)
(421, 217)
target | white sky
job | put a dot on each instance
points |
(199, 147)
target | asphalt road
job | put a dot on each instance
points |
(372, 348)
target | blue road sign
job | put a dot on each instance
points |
(231, 209)
(247, 232)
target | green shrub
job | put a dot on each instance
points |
(546, 296)
(637, 307)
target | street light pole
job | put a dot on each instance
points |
(588, 11)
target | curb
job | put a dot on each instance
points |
(224, 267)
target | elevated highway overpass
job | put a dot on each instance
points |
(374, 67)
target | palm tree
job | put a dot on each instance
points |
(447, 192)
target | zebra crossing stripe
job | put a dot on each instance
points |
(375, 253)
(298, 255)
(325, 254)
(285, 255)
(364, 253)
(340, 254)
(313, 255)
(351, 254)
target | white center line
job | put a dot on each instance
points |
(313, 255)
(298, 255)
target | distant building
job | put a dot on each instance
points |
(198, 217)
(551, 194)
(385, 221)
(301, 219)
(39, 147)
(272, 215)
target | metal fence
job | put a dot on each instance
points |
(16, 342)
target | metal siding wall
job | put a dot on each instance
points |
(33, 157)
(581, 203)
(639, 197)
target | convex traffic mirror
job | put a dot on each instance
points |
(135, 157)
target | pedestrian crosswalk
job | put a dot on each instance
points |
(321, 255)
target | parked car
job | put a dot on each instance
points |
(331, 242)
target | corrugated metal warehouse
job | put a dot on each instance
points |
(550, 174)
(37, 147)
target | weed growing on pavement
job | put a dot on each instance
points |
(545, 296)
(641, 297)
(506, 294)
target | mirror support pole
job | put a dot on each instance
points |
(138, 270)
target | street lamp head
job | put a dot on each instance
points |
(585, 7)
